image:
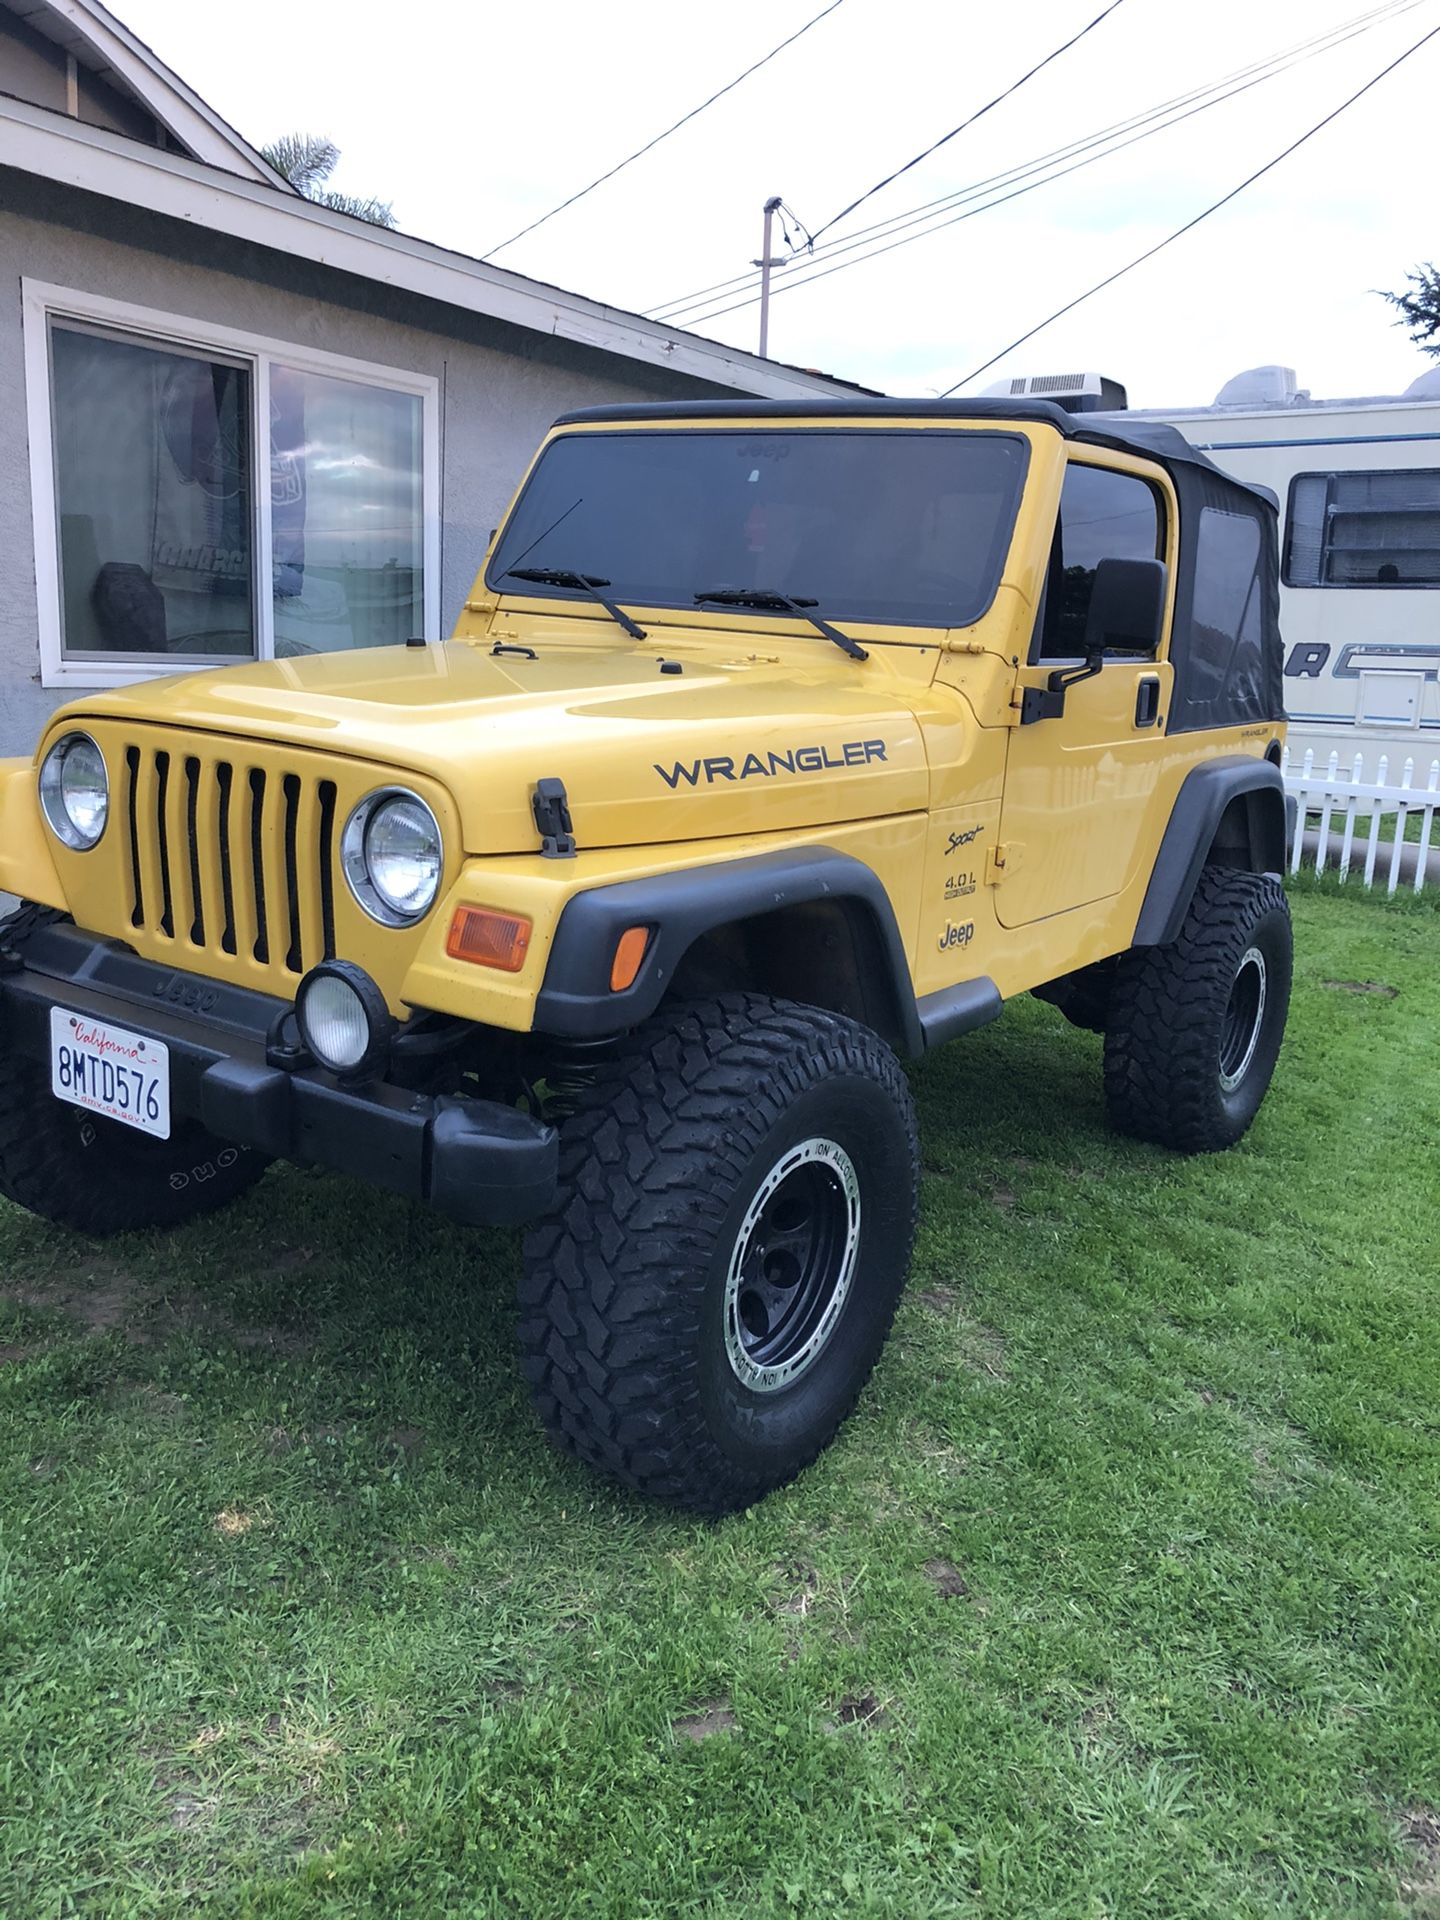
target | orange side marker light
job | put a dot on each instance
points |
(488, 938)
(629, 952)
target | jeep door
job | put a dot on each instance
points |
(1079, 787)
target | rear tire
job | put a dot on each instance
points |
(737, 1207)
(1195, 1027)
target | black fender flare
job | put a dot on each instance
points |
(576, 1000)
(1206, 795)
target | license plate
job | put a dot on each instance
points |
(110, 1071)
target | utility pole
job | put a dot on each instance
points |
(765, 263)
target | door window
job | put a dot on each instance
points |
(1103, 515)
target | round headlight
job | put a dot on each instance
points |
(393, 855)
(75, 791)
(343, 1019)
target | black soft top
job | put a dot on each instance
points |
(1151, 439)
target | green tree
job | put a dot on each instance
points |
(1419, 306)
(307, 161)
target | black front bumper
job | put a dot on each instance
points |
(477, 1160)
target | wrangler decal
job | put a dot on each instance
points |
(854, 753)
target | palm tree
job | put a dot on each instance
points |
(307, 161)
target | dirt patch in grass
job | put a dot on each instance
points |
(947, 1579)
(1002, 1198)
(234, 1522)
(104, 1297)
(716, 1717)
(983, 1350)
(1376, 987)
(1420, 1883)
(861, 1710)
(936, 1299)
(803, 1583)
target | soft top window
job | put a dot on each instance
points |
(905, 528)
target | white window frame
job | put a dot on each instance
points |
(41, 303)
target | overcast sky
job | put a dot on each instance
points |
(473, 119)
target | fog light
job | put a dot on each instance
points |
(344, 1020)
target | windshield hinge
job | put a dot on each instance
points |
(1001, 862)
(551, 808)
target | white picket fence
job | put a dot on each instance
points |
(1356, 826)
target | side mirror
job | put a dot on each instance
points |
(1127, 607)
(1127, 615)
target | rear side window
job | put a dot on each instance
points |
(1364, 529)
(1103, 515)
(1224, 646)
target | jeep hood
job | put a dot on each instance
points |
(753, 744)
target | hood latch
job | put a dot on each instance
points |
(551, 808)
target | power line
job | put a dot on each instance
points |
(1225, 88)
(684, 118)
(819, 270)
(1214, 207)
(978, 114)
(1232, 84)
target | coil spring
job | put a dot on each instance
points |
(570, 1074)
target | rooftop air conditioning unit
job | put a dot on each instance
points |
(1075, 392)
(1261, 387)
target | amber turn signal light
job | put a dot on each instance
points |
(628, 954)
(488, 938)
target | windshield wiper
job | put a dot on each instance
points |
(580, 583)
(784, 602)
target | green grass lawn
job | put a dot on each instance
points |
(1118, 1597)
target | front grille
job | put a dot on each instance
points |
(230, 859)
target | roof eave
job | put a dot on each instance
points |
(55, 147)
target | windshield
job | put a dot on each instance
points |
(907, 528)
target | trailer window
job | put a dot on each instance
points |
(1364, 529)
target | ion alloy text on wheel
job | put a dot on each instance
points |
(793, 1262)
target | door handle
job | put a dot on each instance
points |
(1147, 700)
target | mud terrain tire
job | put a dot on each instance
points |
(737, 1208)
(1195, 1027)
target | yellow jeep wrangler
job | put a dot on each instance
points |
(774, 743)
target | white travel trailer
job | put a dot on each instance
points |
(1358, 483)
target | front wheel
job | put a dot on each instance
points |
(101, 1177)
(737, 1208)
(1195, 1027)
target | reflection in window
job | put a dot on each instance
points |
(1224, 654)
(1364, 530)
(345, 500)
(897, 527)
(152, 473)
(1103, 515)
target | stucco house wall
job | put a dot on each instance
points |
(500, 384)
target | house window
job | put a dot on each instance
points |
(153, 486)
(1364, 529)
(347, 530)
(1103, 515)
(218, 497)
